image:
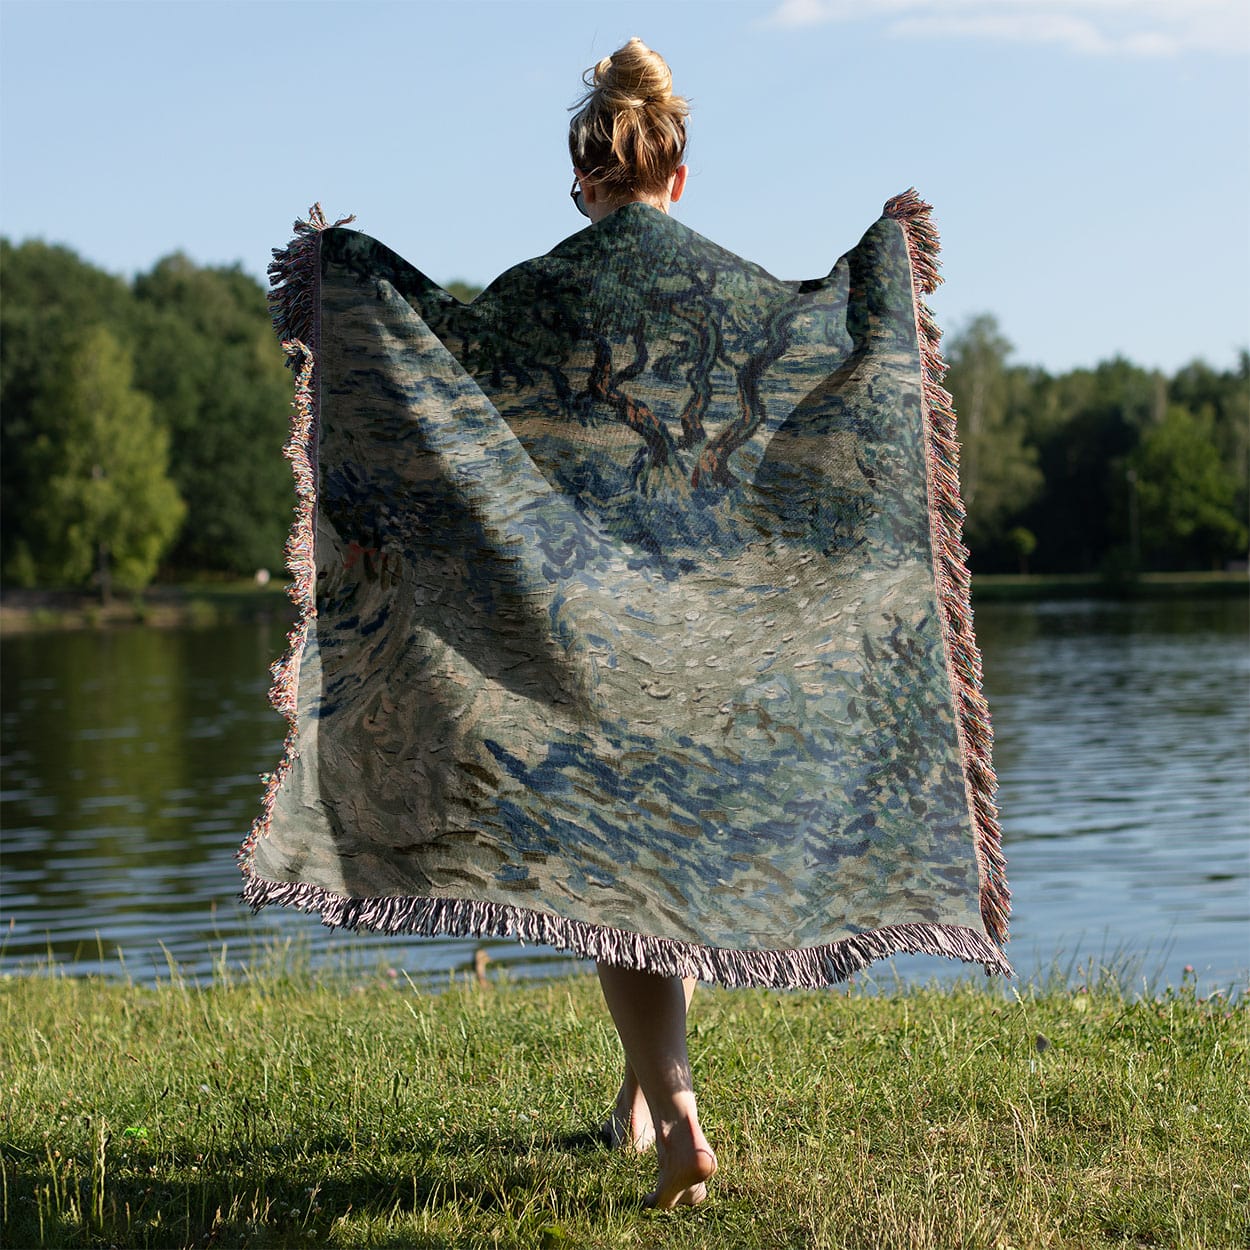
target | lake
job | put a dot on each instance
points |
(131, 759)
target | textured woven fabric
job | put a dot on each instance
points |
(634, 616)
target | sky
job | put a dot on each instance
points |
(1088, 160)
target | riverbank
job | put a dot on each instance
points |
(1005, 587)
(203, 604)
(286, 1110)
(189, 604)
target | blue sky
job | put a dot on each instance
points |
(1089, 160)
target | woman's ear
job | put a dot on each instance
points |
(678, 184)
(588, 186)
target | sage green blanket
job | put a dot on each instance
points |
(634, 618)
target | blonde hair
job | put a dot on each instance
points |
(629, 133)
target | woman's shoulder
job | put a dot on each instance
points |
(643, 250)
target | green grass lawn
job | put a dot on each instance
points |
(297, 1110)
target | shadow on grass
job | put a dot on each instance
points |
(265, 1197)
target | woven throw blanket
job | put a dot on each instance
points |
(634, 618)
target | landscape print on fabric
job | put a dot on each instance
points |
(625, 600)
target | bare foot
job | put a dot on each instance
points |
(629, 1126)
(686, 1165)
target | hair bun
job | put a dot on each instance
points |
(629, 130)
(633, 77)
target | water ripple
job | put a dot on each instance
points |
(131, 764)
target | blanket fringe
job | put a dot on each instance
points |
(954, 584)
(294, 275)
(808, 968)
(294, 279)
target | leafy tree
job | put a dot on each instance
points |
(1185, 494)
(997, 468)
(104, 503)
(209, 359)
(1024, 543)
(51, 298)
(465, 292)
(1085, 429)
(1223, 398)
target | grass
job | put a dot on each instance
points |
(293, 1109)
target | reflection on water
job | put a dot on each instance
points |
(1123, 732)
(131, 757)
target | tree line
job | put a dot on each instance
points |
(142, 423)
(1113, 470)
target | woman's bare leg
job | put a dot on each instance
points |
(629, 1125)
(650, 1015)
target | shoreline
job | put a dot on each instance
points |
(1033, 587)
(199, 605)
(172, 606)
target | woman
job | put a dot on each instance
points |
(628, 143)
(634, 614)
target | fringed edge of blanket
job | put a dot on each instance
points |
(954, 583)
(294, 275)
(807, 968)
